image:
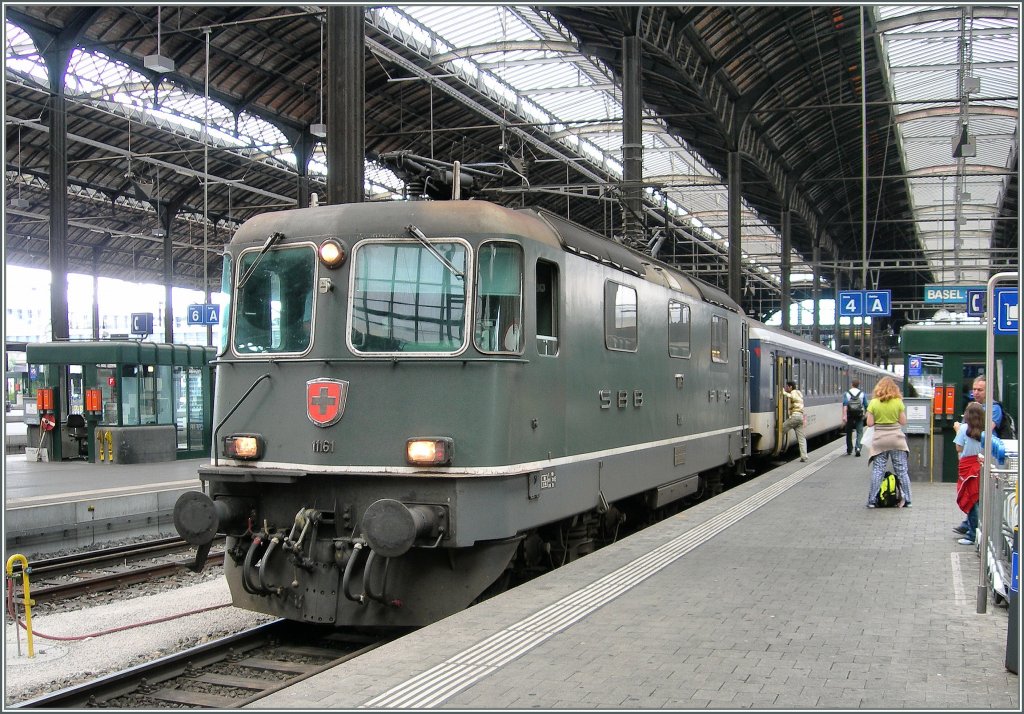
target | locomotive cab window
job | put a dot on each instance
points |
(405, 298)
(499, 298)
(719, 339)
(678, 329)
(547, 308)
(274, 301)
(620, 318)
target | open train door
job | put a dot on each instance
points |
(783, 371)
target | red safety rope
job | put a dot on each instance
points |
(75, 638)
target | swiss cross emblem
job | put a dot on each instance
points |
(325, 400)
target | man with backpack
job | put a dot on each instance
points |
(980, 392)
(854, 406)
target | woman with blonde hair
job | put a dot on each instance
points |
(887, 414)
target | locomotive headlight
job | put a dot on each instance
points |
(243, 446)
(432, 451)
(332, 253)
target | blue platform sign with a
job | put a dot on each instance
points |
(142, 323)
(1006, 311)
(914, 367)
(205, 314)
(878, 303)
(851, 303)
(975, 303)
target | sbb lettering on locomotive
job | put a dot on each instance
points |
(622, 398)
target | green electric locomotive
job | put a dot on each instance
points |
(413, 399)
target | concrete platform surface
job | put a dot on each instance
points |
(782, 593)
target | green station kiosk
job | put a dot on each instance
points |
(118, 401)
(941, 361)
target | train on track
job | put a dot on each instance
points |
(416, 399)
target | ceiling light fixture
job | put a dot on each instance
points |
(157, 62)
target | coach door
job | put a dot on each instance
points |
(745, 391)
(783, 371)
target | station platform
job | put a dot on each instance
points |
(784, 592)
(75, 503)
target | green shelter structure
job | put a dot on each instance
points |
(941, 361)
(118, 401)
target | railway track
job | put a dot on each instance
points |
(109, 568)
(228, 673)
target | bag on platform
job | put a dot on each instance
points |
(854, 406)
(889, 494)
(1007, 429)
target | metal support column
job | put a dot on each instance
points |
(166, 215)
(786, 267)
(816, 290)
(837, 277)
(303, 149)
(96, 288)
(632, 144)
(346, 103)
(735, 164)
(56, 65)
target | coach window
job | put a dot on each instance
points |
(678, 329)
(620, 319)
(796, 372)
(547, 308)
(719, 339)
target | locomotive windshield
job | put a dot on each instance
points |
(404, 299)
(273, 309)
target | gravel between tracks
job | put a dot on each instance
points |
(60, 664)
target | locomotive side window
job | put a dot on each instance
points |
(547, 308)
(499, 298)
(719, 339)
(274, 305)
(678, 329)
(620, 330)
(405, 299)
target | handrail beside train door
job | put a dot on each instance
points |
(783, 368)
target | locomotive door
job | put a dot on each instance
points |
(783, 370)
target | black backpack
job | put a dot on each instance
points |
(889, 493)
(854, 406)
(1007, 429)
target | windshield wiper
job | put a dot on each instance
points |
(271, 239)
(418, 235)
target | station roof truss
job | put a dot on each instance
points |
(534, 93)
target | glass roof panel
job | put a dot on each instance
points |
(927, 57)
